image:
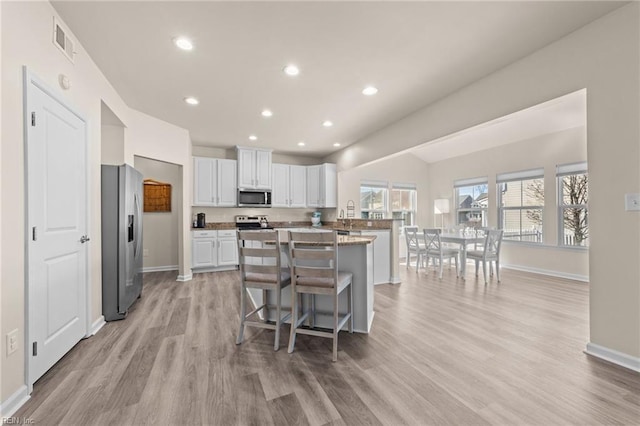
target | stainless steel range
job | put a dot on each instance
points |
(253, 222)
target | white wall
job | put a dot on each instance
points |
(30, 24)
(547, 151)
(404, 168)
(112, 144)
(602, 57)
(160, 229)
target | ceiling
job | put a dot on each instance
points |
(414, 52)
(556, 115)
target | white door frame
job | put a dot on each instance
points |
(29, 79)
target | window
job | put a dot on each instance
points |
(471, 201)
(403, 203)
(573, 194)
(520, 205)
(373, 200)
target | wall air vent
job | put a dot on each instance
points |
(62, 40)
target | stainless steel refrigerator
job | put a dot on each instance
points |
(122, 200)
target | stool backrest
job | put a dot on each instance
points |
(314, 255)
(259, 252)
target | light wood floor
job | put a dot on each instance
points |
(440, 352)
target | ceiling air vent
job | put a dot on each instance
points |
(62, 41)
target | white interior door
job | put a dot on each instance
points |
(57, 228)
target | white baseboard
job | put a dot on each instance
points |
(97, 325)
(616, 357)
(556, 274)
(14, 402)
(160, 268)
(183, 278)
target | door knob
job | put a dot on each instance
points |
(84, 239)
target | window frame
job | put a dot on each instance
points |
(564, 170)
(375, 185)
(465, 183)
(414, 202)
(519, 176)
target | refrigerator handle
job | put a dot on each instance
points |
(136, 246)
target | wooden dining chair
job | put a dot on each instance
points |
(490, 253)
(436, 251)
(260, 268)
(313, 260)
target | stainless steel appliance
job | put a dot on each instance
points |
(253, 222)
(122, 200)
(254, 198)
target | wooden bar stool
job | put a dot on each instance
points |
(260, 268)
(314, 271)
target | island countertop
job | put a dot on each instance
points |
(343, 240)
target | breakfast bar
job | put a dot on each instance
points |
(355, 255)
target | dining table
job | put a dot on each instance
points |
(463, 239)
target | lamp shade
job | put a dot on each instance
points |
(441, 206)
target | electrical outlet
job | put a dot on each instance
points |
(145, 252)
(12, 341)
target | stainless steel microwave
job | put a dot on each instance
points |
(254, 198)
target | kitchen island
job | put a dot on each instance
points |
(355, 255)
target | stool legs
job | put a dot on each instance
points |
(243, 313)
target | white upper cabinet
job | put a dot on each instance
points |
(297, 186)
(254, 168)
(313, 186)
(204, 185)
(214, 182)
(280, 190)
(289, 186)
(227, 185)
(322, 184)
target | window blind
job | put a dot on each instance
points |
(397, 185)
(571, 169)
(470, 182)
(521, 175)
(374, 184)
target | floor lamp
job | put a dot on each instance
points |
(441, 207)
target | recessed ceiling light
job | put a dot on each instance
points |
(267, 113)
(327, 123)
(336, 144)
(191, 100)
(300, 143)
(369, 91)
(291, 70)
(253, 138)
(183, 43)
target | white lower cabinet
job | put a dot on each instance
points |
(227, 248)
(214, 250)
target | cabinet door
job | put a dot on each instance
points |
(329, 196)
(227, 251)
(280, 191)
(297, 186)
(204, 252)
(204, 176)
(263, 169)
(227, 183)
(246, 168)
(313, 186)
